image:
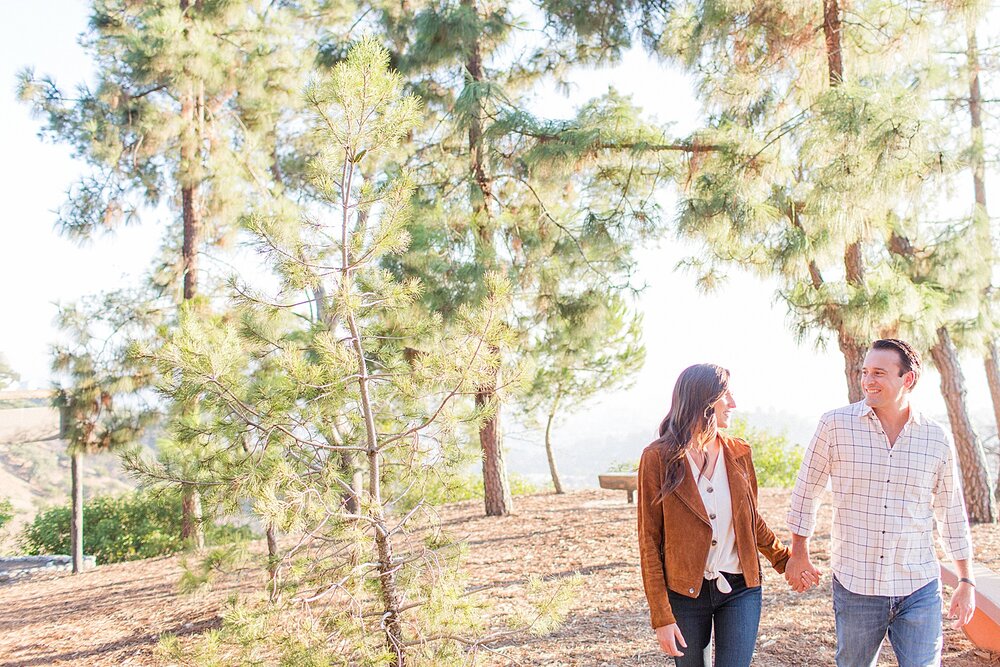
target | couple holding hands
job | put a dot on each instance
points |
(892, 471)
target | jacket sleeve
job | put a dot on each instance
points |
(650, 516)
(768, 544)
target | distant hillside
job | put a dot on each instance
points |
(585, 448)
(35, 470)
(587, 444)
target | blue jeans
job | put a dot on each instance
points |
(913, 623)
(734, 615)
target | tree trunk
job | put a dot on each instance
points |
(853, 350)
(981, 215)
(981, 219)
(976, 118)
(854, 358)
(76, 520)
(192, 528)
(392, 601)
(549, 453)
(273, 564)
(348, 461)
(992, 364)
(187, 175)
(496, 485)
(189, 250)
(831, 33)
(979, 500)
(352, 471)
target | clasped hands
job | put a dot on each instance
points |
(800, 573)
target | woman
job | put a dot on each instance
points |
(699, 529)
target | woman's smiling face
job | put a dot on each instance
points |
(723, 407)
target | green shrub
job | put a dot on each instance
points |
(624, 466)
(775, 459)
(6, 512)
(120, 528)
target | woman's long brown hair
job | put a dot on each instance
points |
(691, 416)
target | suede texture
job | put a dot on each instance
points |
(675, 534)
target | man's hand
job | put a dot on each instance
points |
(670, 639)
(963, 605)
(800, 573)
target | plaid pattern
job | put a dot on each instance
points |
(885, 500)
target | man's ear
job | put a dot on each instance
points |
(909, 379)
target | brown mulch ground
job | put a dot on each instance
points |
(114, 615)
(110, 615)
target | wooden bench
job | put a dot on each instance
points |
(623, 481)
(984, 629)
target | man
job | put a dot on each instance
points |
(892, 470)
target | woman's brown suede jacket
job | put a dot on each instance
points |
(675, 534)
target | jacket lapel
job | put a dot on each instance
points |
(739, 484)
(687, 493)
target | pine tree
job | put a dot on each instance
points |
(814, 173)
(266, 388)
(585, 342)
(984, 233)
(185, 112)
(950, 264)
(501, 190)
(813, 128)
(97, 387)
(8, 375)
(949, 274)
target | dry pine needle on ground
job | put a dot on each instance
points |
(115, 614)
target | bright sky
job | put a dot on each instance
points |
(741, 327)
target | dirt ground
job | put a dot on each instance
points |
(115, 614)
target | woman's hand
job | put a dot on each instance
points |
(670, 639)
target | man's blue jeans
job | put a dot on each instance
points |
(735, 616)
(913, 623)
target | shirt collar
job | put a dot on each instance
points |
(865, 411)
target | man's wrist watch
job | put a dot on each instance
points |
(966, 580)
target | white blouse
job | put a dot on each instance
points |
(715, 495)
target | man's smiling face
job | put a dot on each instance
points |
(882, 379)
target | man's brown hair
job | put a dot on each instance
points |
(909, 359)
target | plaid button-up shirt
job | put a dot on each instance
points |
(885, 499)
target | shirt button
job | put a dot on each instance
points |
(711, 516)
(714, 542)
(881, 557)
(710, 489)
(691, 590)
